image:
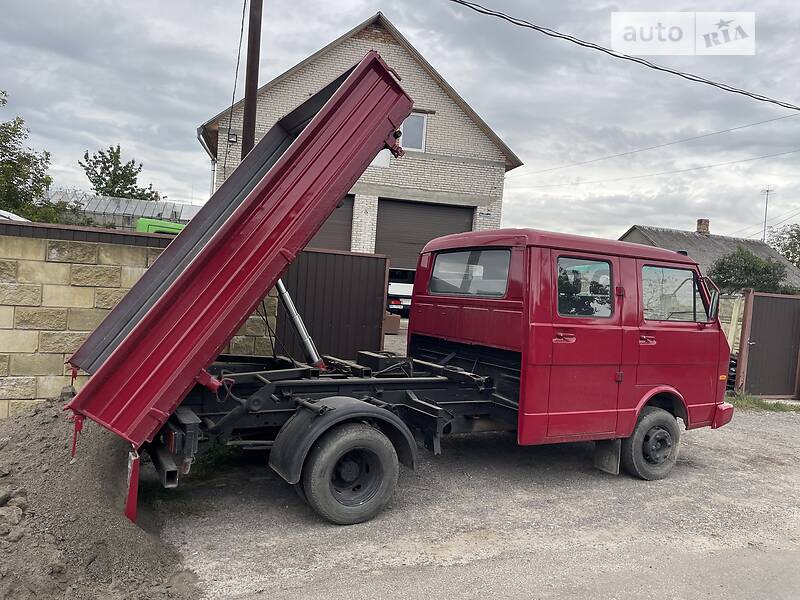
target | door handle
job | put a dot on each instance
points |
(564, 338)
(647, 340)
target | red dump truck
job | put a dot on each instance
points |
(559, 338)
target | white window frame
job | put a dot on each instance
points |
(424, 131)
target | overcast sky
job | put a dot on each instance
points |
(85, 75)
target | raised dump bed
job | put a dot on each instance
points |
(155, 345)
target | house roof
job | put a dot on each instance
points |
(207, 132)
(706, 249)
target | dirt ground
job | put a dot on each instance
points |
(489, 519)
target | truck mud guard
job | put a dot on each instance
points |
(144, 358)
(313, 419)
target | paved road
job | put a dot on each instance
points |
(489, 519)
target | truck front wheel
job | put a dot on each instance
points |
(652, 450)
(350, 473)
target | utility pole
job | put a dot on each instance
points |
(251, 77)
(766, 192)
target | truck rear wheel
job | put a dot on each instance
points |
(652, 450)
(350, 473)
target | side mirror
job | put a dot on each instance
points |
(713, 309)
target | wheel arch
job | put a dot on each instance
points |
(668, 398)
(297, 436)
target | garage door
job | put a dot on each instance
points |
(405, 227)
(335, 232)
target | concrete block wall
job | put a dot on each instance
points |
(53, 293)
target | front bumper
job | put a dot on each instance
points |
(723, 413)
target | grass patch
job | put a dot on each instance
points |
(746, 401)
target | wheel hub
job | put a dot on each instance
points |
(657, 445)
(356, 477)
(348, 470)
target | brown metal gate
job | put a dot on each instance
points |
(769, 358)
(342, 299)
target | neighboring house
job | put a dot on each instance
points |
(122, 213)
(706, 248)
(450, 180)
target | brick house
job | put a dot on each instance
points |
(450, 180)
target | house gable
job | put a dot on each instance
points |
(457, 130)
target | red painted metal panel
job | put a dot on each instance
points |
(153, 368)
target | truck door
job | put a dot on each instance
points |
(587, 344)
(677, 347)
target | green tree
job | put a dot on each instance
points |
(786, 240)
(23, 176)
(742, 269)
(111, 177)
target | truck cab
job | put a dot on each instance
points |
(587, 335)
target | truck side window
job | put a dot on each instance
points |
(584, 288)
(471, 273)
(671, 295)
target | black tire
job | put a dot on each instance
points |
(350, 474)
(652, 450)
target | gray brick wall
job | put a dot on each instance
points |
(460, 165)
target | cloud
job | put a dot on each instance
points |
(146, 74)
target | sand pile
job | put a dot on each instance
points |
(62, 531)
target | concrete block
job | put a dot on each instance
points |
(131, 275)
(20, 294)
(120, 254)
(95, 276)
(67, 295)
(6, 317)
(18, 407)
(8, 270)
(152, 255)
(17, 247)
(4, 409)
(49, 387)
(18, 388)
(241, 344)
(108, 297)
(36, 364)
(40, 318)
(85, 319)
(4, 358)
(71, 252)
(263, 347)
(61, 341)
(37, 271)
(254, 326)
(18, 341)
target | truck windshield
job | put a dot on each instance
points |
(471, 273)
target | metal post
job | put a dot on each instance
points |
(251, 77)
(305, 338)
(766, 191)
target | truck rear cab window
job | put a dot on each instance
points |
(671, 295)
(584, 288)
(471, 273)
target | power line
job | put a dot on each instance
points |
(787, 215)
(233, 94)
(757, 233)
(555, 34)
(665, 144)
(628, 178)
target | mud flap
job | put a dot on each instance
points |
(132, 496)
(607, 455)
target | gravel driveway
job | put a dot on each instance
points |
(490, 519)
